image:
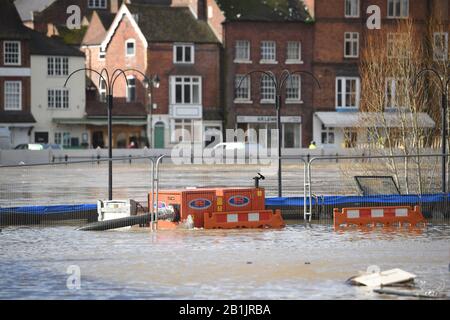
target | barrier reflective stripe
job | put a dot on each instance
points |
(244, 219)
(402, 212)
(378, 215)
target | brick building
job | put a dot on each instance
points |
(267, 37)
(340, 31)
(180, 47)
(15, 75)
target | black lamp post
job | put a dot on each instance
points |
(151, 82)
(443, 82)
(109, 82)
(279, 84)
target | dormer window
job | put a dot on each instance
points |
(97, 4)
(183, 53)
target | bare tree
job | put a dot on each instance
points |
(394, 102)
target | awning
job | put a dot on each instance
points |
(375, 119)
(101, 122)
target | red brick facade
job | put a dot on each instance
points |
(329, 29)
(207, 66)
(157, 58)
(24, 115)
(281, 33)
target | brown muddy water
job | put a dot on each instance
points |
(298, 262)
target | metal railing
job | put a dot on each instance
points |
(417, 177)
(74, 183)
(316, 185)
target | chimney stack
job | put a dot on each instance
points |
(202, 10)
(114, 6)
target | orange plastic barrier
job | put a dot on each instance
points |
(373, 216)
(244, 219)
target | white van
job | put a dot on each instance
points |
(5, 138)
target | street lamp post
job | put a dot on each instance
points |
(151, 82)
(279, 84)
(443, 82)
(109, 82)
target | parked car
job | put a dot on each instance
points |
(248, 149)
(30, 146)
(53, 146)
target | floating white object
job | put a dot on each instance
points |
(385, 278)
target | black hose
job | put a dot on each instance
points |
(116, 223)
(125, 222)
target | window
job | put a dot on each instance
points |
(183, 53)
(242, 93)
(66, 139)
(97, 4)
(294, 52)
(102, 90)
(351, 45)
(57, 66)
(242, 53)
(101, 54)
(327, 135)
(440, 46)
(398, 8)
(268, 51)
(186, 90)
(351, 8)
(182, 130)
(13, 95)
(397, 45)
(350, 138)
(131, 89)
(58, 137)
(58, 98)
(130, 48)
(291, 135)
(293, 88)
(63, 138)
(267, 90)
(396, 93)
(347, 92)
(11, 53)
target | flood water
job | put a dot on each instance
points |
(298, 262)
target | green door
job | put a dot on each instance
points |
(159, 136)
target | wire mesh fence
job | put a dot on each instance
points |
(68, 192)
(384, 180)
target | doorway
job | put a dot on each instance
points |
(97, 139)
(159, 136)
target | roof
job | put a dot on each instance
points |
(16, 117)
(43, 45)
(171, 24)
(11, 26)
(265, 10)
(374, 119)
(106, 18)
(99, 24)
(26, 7)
